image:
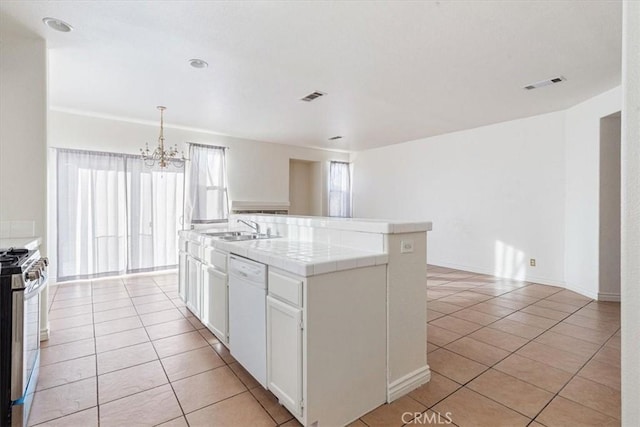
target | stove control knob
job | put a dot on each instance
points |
(45, 260)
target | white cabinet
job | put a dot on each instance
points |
(182, 276)
(318, 381)
(215, 297)
(194, 285)
(284, 353)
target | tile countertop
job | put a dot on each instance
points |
(30, 243)
(366, 225)
(303, 258)
(294, 256)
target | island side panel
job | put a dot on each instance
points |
(345, 361)
(407, 314)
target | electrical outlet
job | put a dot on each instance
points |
(532, 262)
(406, 246)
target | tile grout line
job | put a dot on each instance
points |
(184, 415)
(557, 394)
(587, 303)
(514, 351)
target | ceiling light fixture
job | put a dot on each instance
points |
(57, 24)
(198, 63)
(163, 157)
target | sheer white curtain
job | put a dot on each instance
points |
(154, 200)
(91, 214)
(113, 214)
(206, 185)
(340, 189)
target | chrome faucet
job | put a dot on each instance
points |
(251, 224)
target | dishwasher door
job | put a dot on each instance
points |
(247, 315)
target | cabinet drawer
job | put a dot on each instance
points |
(194, 249)
(286, 288)
(182, 244)
(216, 258)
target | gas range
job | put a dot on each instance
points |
(23, 263)
(12, 260)
(23, 275)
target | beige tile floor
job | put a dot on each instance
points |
(126, 352)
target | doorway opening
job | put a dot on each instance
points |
(609, 228)
(305, 187)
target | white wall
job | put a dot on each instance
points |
(630, 315)
(495, 195)
(23, 131)
(609, 234)
(583, 188)
(258, 171)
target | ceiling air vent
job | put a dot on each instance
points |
(335, 138)
(312, 96)
(543, 83)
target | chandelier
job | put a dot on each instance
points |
(161, 156)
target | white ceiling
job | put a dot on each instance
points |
(393, 71)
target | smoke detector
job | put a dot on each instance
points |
(544, 83)
(312, 96)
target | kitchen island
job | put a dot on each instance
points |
(344, 302)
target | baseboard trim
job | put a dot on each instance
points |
(408, 383)
(586, 293)
(609, 297)
(531, 279)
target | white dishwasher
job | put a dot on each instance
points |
(247, 315)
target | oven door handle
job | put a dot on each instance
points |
(17, 348)
(36, 289)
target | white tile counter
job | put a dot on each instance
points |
(303, 258)
(364, 225)
(312, 245)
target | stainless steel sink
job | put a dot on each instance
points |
(243, 237)
(237, 236)
(226, 233)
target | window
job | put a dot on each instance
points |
(340, 189)
(112, 214)
(206, 197)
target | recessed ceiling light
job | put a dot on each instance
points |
(57, 24)
(198, 63)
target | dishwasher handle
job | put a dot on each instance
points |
(247, 269)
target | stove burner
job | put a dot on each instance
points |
(14, 251)
(8, 259)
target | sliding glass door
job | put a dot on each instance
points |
(155, 213)
(114, 215)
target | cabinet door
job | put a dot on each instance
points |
(194, 285)
(215, 300)
(284, 353)
(182, 276)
